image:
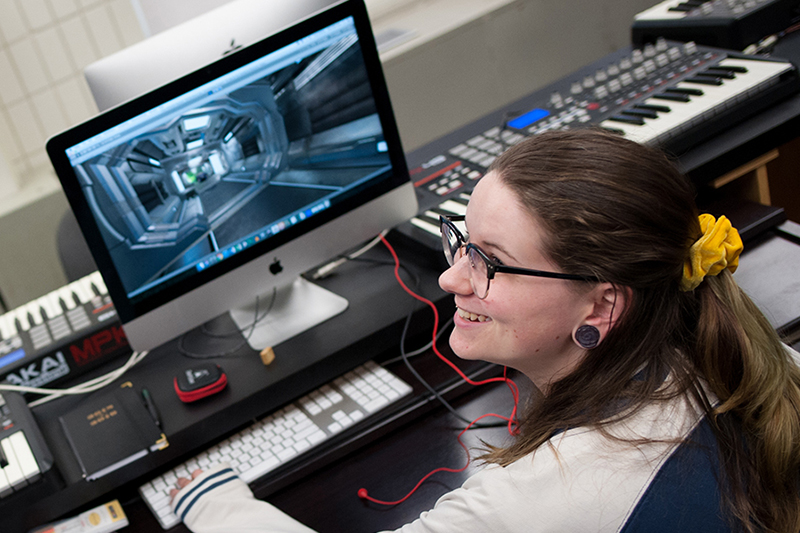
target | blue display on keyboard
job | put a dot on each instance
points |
(13, 357)
(523, 121)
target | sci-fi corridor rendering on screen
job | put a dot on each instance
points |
(239, 168)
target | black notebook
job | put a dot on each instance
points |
(111, 429)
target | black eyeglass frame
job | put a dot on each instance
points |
(491, 266)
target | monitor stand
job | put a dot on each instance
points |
(297, 308)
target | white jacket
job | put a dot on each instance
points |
(580, 481)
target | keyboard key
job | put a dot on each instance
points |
(287, 433)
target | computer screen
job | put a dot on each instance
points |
(233, 180)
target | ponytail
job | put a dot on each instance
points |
(623, 213)
(752, 374)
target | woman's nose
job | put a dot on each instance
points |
(456, 279)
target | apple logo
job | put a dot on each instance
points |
(275, 267)
(234, 47)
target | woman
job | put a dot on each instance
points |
(669, 402)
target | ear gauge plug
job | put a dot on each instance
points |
(587, 336)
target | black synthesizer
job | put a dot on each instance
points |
(60, 335)
(733, 24)
(24, 456)
(668, 94)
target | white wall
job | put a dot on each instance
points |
(44, 46)
(471, 57)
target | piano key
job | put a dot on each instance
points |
(439, 212)
(83, 290)
(680, 112)
(672, 97)
(433, 229)
(13, 471)
(607, 126)
(34, 312)
(638, 121)
(454, 207)
(21, 315)
(430, 217)
(5, 486)
(27, 462)
(689, 91)
(704, 81)
(3, 459)
(652, 107)
(731, 68)
(664, 10)
(67, 297)
(718, 73)
(99, 282)
(8, 328)
(51, 304)
(643, 113)
(714, 99)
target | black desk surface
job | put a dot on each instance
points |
(388, 467)
(370, 328)
(387, 460)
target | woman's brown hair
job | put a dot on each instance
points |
(623, 213)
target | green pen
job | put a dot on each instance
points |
(148, 401)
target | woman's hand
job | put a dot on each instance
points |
(182, 482)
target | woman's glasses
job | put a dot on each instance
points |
(482, 268)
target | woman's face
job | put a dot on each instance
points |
(525, 322)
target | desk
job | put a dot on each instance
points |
(378, 307)
(388, 467)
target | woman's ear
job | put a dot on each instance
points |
(607, 302)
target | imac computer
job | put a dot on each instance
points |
(191, 45)
(233, 180)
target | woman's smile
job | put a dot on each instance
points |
(472, 317)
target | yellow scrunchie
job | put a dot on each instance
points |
(717, 249)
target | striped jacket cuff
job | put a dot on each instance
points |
(209, 481)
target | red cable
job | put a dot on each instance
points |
(436, 328)
(362, 493)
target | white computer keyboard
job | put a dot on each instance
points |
(287, 433)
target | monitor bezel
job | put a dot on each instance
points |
(130, 310)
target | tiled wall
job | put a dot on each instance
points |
(44, 46)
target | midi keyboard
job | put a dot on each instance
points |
(667, 94)
(733, 24)
(61, 335)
